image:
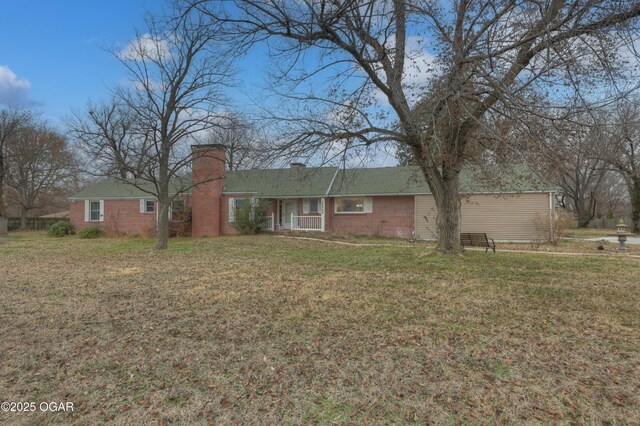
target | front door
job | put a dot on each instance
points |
(288, 207)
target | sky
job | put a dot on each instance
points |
(52, 53)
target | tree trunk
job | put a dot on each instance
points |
(164, 204)
(162, 233)
(444, 184)
(634, 192)
(4, 226)
(23, 218)
(448, 221)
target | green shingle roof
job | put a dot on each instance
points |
(116, 188)
(331, 181)
(409, 180)
(307, 181)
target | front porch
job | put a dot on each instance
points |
(297, 214)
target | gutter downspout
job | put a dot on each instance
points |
(551, 216)
(324, 203)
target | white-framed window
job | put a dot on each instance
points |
(147, 205)
(311, 205)
(93, 210)
(353, 205)
(236, 204)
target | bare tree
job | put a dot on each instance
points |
(578, 148)
(624, 155)
(11, 120)
(487, 55)
(40, 166)
(241, 141)
(177, 72)
(612, 196)
(107, 138)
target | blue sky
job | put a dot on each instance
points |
(54, 48)
(52, 53)
(53, 58)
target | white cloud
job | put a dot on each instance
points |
(146, 47)
(13, 91)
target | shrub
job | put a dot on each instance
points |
(60, 229)
(563, 220)
(91, 232)
(251, 218)
(180, 226)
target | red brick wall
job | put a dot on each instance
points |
(121, 217)
(390, 217)
(208, 167)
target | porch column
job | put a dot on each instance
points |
(322, 215)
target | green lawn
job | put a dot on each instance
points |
(589, 233)
(268, 330)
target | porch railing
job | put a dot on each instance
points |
(270, 225)
(306, 223)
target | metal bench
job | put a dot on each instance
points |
(469, 239)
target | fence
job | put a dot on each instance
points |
(306, 223)
(608, 223)
(35, 223)
(270, 225)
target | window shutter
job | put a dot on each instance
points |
(143, 205)
(232, 210)
(368, 205)
(101, 210)
(86, 210)
(305, 206)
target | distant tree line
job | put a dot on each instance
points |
(37, 166)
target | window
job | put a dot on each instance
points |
(353, 205)
(240, 203)
(94, 209)
(311, 205)
(147, 206)
(177, 210)
(235, 205)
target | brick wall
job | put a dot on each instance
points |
(121, 217)
(390, 217)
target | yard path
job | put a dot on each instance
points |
(556, 253)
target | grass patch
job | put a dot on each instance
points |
(267, 330)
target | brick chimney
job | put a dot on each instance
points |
(298, 166)
(208, 174)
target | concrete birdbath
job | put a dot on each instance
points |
(622, 234)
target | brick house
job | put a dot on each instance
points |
(387, 201)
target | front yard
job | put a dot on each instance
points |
(268, 330)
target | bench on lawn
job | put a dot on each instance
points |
(469, 239)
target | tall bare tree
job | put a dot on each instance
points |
(11, 120)
(578, 149)
(40, 166)
(178, 72)
(241, 140)
(624, 154)
(487, 55)
(107, 136)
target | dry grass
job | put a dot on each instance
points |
(266, 330)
